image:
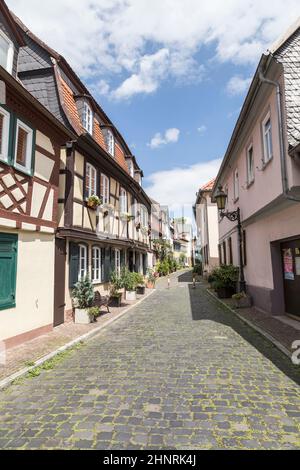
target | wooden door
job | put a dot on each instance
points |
(59, 282)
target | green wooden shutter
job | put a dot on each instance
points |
(122, 258)
(107, 265)
(73, 264)
(112, 260)
(144, 264)
(8, 270)
(102, 264)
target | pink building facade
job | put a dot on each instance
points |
(261, 175)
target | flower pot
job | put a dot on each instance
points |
(130, 295)
(140, 290)
(115, 301)
(92, 205)
(150, 285)
(225, 292)
(82, 317)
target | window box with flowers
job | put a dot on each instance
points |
(93, 202)
(126, 217)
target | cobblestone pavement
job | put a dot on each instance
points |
(177, 372)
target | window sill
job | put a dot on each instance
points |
(265, 164)
(236, 200)
(24, 171)
(97, 283)
(251, 183)
(7, 306)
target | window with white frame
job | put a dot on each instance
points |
(82, 262)
(250, 164)
(144, 216)
(123, 200)
(6, 52)
(104, 189)
(90, 181)
(118, 262)
(88, 117)
(267, 138)
(4, 133)
(110, 143)
(236, 184)
(24, 147)
(96, 264)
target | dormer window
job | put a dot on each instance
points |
(130, 168)
(6, 52)
(88, 118)
(110, 143)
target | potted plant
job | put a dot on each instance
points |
(126, 216)
(151, 279)
(242, 300)
(129, 284)
(140, 283)
(93, 202)
(225, 280)
(115, 296)
(93, 313)
(83, 295)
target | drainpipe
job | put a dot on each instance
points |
(284, 177)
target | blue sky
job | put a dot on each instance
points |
(171, 75)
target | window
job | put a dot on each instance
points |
(118, 262)
(90, 181)
(130, 168)
(230, 250)
(6, 52)
(267, 139)
(82, 272)
(24, 147)
(250, 165)
(123, 200)
(144, 216)
(96, 264)
(224, 253)
(244, 248)
(110, 143)
(236, 184)
(88, 118)
(4, 134)
(8, 270)
(104, 189)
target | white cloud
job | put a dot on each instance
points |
(170, 136)
(178, 187)
(237, 85)
(151, 70)
(202, 129)
(126, 37)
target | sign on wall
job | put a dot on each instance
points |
(288, 266)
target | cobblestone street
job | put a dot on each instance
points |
(177, 372)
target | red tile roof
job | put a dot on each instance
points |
(208, 186)
(71, 110)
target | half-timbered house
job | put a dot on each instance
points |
(90, 241)
(30, 142)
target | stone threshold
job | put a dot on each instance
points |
(278, 331)
(45, 347)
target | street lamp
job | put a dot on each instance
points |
(234, 216)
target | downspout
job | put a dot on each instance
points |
(284, 177)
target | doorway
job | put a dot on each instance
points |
(290, 252)
(59, 282)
